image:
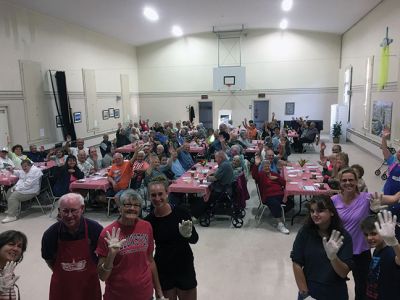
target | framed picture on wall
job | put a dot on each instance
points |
(116, 113)
(289, 108)
(111, 112)
(105, 114)
(59, 122)
(77, 117)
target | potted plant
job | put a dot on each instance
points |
(336, 132)
(302, 162)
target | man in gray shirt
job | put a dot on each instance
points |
(222, 179)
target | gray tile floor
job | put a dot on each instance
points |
(248, 263)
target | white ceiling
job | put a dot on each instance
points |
(123, 19)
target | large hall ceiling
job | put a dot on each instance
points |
(123, 19)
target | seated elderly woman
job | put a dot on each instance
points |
(237, 167)
(27, 187)
(17, 156)
(271, 187)
(243, 138)
(58, 156)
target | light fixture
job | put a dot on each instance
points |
(150, 14)
(287, 5)
(177, 30)
(283, 24)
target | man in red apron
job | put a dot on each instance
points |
(68, 248)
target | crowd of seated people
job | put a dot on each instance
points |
(161, 152)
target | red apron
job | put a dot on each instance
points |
(74, 272)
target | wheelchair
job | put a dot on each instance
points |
(224, 204)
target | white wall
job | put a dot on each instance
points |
(291, 66)
(57, 45)
(359, 43)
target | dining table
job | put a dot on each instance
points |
(306, 180)
(194, 181)
(96, 181)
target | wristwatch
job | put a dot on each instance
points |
(303, 294)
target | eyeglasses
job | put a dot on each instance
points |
(67, 211)
(130, 205)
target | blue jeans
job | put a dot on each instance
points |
(321, 291)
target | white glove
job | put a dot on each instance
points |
(333, 245)
(113, 240)
(386, 227)
(309, 298)
(7, 280)
(185, 228)
(375, 203)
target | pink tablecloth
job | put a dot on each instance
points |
(197, 149)
(300, 181)
(126, 149)
(8, 179)
(251, 150)
(191, 185)
(95, 182)
(293, 134)
(45, 165)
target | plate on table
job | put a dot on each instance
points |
(292, 175)
(81, 180)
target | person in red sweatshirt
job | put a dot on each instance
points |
(271, 186)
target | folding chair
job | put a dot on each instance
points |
(264, 206)
(51, 196)
(43, 189)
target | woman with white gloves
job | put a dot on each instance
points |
(173, 234)
(322, 253)
(125, 250)
(12, 247)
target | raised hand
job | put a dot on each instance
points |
(8, 279)
(386, 227)
(185, 228)
(333, 245)
(113, 240)
(323, 146)
(386, 133)
(375, 203)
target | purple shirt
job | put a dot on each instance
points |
(352, 215)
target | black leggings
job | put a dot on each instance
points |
(360, 273)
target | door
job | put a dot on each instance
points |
(260, 112)
(206, 114)
(4, 134)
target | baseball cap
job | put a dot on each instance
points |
(5, 149)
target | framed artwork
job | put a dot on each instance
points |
(105, 114)
(59, 122)
(77, 117)
(381, 116)
(116, 113)
(289, 108)
(111, 112)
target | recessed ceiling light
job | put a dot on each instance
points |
(176, 30)
(150, 14)
(287, 5)
(283, 24)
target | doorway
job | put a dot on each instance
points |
(206, 114)
(260, 112)
(4, 133)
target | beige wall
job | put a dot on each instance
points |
(57, 45)
(291, 66)
(363, 42)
